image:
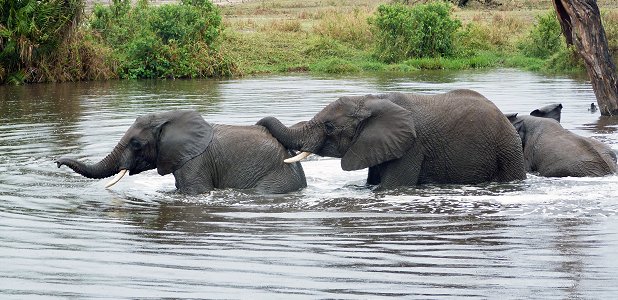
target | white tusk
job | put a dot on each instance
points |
(298, 157)
(116, 178)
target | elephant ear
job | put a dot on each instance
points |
(183, 135)
(512, 117)
(386, 132)
(518, 123)
(552, 111)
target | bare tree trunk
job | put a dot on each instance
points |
(581, 24)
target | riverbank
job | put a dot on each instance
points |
(244, 37)
(335, 37)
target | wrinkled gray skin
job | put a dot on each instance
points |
(201, 156)
(552, 151)
(408, 139)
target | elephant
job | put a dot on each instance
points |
(552, 151)
(409, 139)
(200, 155)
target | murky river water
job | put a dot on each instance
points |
(65, 236)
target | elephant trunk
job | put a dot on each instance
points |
(303, 136)
(107, 167)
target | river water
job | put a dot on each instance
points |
(65, 236)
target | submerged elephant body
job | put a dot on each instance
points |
(200, 155)
(409, 139)
(552, 151)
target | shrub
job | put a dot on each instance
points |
(425, 30)
(544, 39)
(166, 41)
(566, 60)
(31, 31)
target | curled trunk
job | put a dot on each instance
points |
(295, 138)
(107, 167)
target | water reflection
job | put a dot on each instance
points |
(66, 236)
(603, 125)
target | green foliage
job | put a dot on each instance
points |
(544, 39)
(30, 32)
(324, 47)
(524, 62)
(566, 60)
(166, 41)
(334, 66)
(424, 30)
(472, 39)
(482, 60)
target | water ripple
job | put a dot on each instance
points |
(65, 236)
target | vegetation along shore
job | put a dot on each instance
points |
(72, 40)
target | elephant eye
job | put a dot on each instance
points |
(136, 145)
(329, 127)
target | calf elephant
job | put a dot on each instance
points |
(553, 151)
(409, 139)
(201, 156)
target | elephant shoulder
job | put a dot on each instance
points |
(470, 101)
(466, 94)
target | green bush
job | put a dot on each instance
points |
(166, 41)
(566, 60)
(334, 66)
(544, 39)
(324, 47)
(30, 33)
(402, 32)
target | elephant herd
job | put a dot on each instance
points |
(457, 137)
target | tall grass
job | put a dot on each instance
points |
(347, 27)
(610, 24)
(30, 34)
(500, 33)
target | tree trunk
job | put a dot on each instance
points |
(581, 24)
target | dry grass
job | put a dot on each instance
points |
(496, 30)
(283, 25)
(610, 24)
(271, 35)
(348, 27)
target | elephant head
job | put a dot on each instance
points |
(363, 131)
(551, 111)
(164, 141)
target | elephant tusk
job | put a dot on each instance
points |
(116, 178)
(298, 157)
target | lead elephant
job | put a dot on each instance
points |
(201, 156)
(553, 151)
(409, 139)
